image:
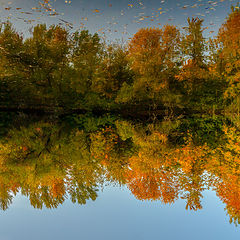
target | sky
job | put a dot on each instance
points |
(116, 214)
(114, 19)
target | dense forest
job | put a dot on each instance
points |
(52, 160)
(163, 69)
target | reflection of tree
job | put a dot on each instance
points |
(228, 57)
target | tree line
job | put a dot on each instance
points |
(159, 68)
(49, 161)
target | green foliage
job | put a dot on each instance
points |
(48, 161)
(124, 129)
(203, 130)
(89, 122)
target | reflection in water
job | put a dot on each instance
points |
(51, 160)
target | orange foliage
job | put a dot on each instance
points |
(190, 157)
(58, 188)
(228, 191)
(147, 180)
(104, 143)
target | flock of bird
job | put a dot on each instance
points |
(48, 8)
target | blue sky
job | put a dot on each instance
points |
(116, 19)
(116, 214)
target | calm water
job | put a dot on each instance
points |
(86, 177)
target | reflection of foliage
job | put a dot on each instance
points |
(5, 121)
(229, 39)
(90, 123)
(158, 69)
(153, 56)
